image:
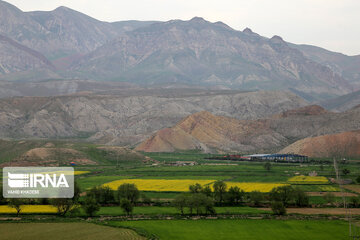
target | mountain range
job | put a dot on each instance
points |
(66, 44)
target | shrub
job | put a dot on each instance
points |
(278, 208)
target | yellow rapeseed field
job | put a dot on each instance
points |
(182, 185)
(68, 172)
(29, 209)
(254, 186)
(159, 185)
(308, 180)
(80, 172)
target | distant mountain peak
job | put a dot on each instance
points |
(277, 39)
(63, 8)
(248, 31)
(198, 19)
(224, 25)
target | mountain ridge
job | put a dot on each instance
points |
(194, 53)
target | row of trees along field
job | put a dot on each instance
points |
(199, 199)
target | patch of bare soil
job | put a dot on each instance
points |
(41, 153)
(84, 161)
(355, 188)
(49, 145)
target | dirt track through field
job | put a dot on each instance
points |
(310, 211)
(336, 194)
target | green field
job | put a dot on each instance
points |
(242, 229)
(63, 231)
(116, 211)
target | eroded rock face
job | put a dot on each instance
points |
(116, 119)
(206, 131)
(345, 144)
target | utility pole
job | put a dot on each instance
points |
(352, 228)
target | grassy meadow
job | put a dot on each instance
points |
(241, 229)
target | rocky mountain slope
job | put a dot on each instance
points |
(131, 116)
(346, 66)
(204, 53)
(207, 132)
(60, 32)
(16, 58)
(342, 103)
(333, 145)
(60, 87)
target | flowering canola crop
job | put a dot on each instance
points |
(165, 185)
(159, 185)
(29, 209)
(308, 180)
(254, 186)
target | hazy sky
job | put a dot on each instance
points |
(332, 24)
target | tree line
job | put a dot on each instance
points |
(202, 199)
(198, 200)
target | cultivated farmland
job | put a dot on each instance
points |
(242, 229)
(64, 231)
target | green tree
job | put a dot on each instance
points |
(355, 201)
(90, 205)
(16, 203)
(278, 208)
(256, 197)
(284, 194)
(195, 188)
(129, 192)
(219, 191)
(180, 202)
(346, 171)
(267, 166)
(329, 198)
(102, 194)
(64, 205)
(358, 179)
(2, 199)
(145, 199)
(207, 191)
(126, 206)
(201, 203)
(300, 197)
(235, 195)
